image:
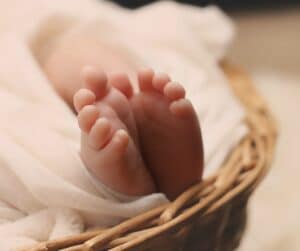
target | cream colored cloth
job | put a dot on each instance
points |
(45, 191)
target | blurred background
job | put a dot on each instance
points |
(225, 4)
(267, 45)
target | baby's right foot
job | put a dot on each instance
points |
(108, 145)
(169, 133)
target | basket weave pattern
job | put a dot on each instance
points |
(210, 216)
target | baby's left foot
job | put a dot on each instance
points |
(108, 145)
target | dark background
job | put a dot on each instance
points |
(225, 4)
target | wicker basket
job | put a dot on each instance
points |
(211, 216)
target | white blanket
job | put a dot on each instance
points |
(45, 191)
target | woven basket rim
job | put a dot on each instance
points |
(242, 171)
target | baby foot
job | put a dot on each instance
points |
(108, 139)
(170, 135)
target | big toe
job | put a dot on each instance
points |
(121, 82)
(95, 80)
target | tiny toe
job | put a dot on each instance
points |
(182, 108)
(145, 78)
(121, 82)
(95, 80)
(160, 80)
(119, 142)
(87, 117)
(82, 98)
(174, 91)
(100, 133)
